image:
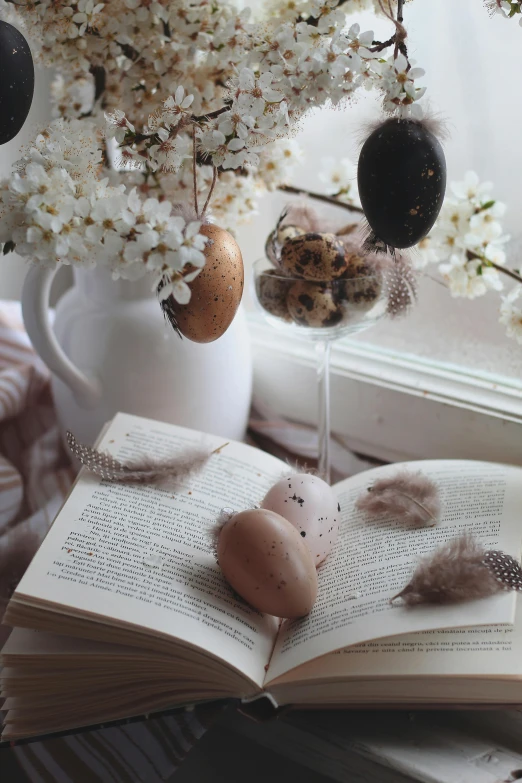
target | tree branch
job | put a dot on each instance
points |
(504, 269)
(379, 46)
(211, 114)
(98, 73)
(320, 197)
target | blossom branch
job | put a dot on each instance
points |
(471, 256)
(321, 197)
(212, 115)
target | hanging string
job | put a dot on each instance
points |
(200, 215)
(194, 171)
(400, 31)
(207, 202)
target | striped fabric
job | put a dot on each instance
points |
(35, 475)
(146, 752)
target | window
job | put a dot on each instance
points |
(445, 381)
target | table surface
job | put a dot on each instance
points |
(479, 746)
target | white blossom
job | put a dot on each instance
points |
(162, 71)
(340, 178)
(466, 278)
(401, 91)
(511, 314)
(468, 238)
(118, 125)
(471, 188)
(57, 211)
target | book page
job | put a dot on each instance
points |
(482, 651)
(141, 554)
(374, 559)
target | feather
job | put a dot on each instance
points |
(504, 568)
(168, 307)
(432, 121)
(454, 572)
(301, 214)
(214, 531)
(144, 470)
(401, 281)
(411, 496)
(346, 230)
(395, 269)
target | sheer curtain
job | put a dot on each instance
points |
(473, 65)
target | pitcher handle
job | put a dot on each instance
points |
(35, 311)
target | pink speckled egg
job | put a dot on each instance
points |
(310, 505)
(265, 561)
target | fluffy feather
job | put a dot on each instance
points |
(396, 270)
(301, 214)
(214, 531)
(432, 121)
(401, 282)
(454, 572)
(346, 230)
(411, 496)
(167, 308)
(144, 470)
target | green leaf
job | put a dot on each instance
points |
(487, 204)
(9, 246)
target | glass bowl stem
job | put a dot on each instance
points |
(323, 349)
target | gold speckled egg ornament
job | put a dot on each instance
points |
(216, 292)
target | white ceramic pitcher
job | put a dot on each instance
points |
(111, 350)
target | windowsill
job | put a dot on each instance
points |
(389, 404)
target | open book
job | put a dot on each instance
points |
(124, 611)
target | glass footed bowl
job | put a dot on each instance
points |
(322, 310)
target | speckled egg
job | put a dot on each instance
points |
(310, 505)
(266, 561)
(360, 285)
(313, 304)
(216, 292)
(272, 248)
(289, 232)
(272, 291)
(313, 256)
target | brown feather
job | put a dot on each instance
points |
(214, 531)
(143, 470)
(413, 497)
(401, 282)
(302, 214)
(454, 572)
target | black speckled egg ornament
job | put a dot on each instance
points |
(402, 181)
(16, 82)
